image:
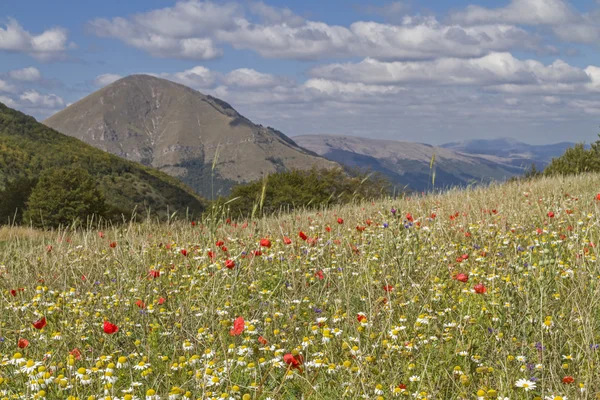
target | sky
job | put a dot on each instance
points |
(430, 71)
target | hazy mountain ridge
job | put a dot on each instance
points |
(513, 151)
(407, 163)
(180, 131)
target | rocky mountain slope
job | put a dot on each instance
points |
(182, 132)
(406, 163)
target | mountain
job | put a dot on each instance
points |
(515, 152)
(406, 163)
(182, 132)
(28, 147)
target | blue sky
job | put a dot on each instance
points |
(428, 71)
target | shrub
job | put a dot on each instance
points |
(64, 196)
(296, 189)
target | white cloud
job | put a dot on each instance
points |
(492, 69)
(565, 21)
(48, 45)
(276, 15)
(29, 74)
(34, 99)
(249, 78)
(192, 29)
(529, 12)
(198, 77)
(7, 87)
(106, 79)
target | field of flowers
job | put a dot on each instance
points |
(480, 294)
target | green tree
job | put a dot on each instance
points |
(295, 189)
(13, 199)
(63, 196)
(576, 160)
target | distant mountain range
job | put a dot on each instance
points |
(182, 132)
(27, 148)
(513, 151)
(455, 164)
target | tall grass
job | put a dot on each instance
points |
(373, 303)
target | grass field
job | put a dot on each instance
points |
(490, 293)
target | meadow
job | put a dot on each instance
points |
(485, 293)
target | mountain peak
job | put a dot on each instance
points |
(181, 131)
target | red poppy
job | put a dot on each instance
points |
(22, 343)
(262, 340)
(361, 317)
(480, 288)
(265, 243)
(293, 361)
(76, 353)
(40, 323)
(402, 386)
(257, 253)
(140, 304)
(328, 228)
(13, 292)
(193, 223)
(550, 214)
(110, 328)
(388, 288)
(287, 240)
(230, 264)
(598, 197)
(224, 249)
(219, 243)
(319, 274)
(340, 221)
(462, 278)
(360, 228)
(409, 217)
(568, 380)
(432, 216)
(238, 326)
(113, 244)
(154, 273)
(161, 300)
(183, 252)
(101, 235)
(302, 235)
(211, 254)
(49, 248)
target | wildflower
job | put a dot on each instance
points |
(302, 235)
(238, 327)
(40, 323)
(229, 264)
(110, 328)
(462, 278)
(525, 384)
(480, 288)
(265, 243)
(340, 221)
(568, 380)
(22, 343)
(293, 361)
(30, 366)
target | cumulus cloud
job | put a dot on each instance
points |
(49, 45)
(198, 77)
(29, 74)
(193, 29)
(7, 87)
(564, 20)
(106, 79)
(33, 98)
(250, 78)
(492, 69)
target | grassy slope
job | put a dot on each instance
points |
(538, 319)
(28, 147)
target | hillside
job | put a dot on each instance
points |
(485, 293)
(513, 151)
(28, 148)
(406, 163)
(180, 131)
